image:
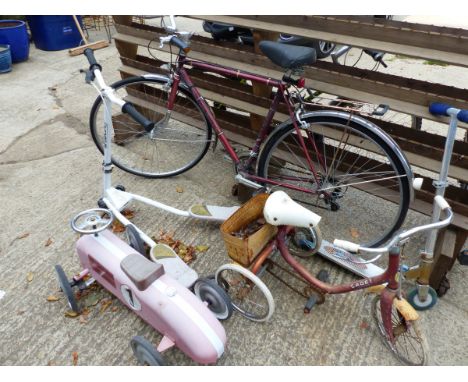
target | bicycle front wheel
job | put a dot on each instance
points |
(409, 345)
(178, 142)
(350, 172)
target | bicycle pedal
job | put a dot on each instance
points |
(311, 301)
(463, 257)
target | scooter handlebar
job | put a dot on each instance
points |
(438, 108)
(93, 64)
(137, 116)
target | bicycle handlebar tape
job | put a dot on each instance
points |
(89, 53)
(180, 44)
(137, 116)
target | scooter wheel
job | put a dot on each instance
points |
(67, 289)
(101, 203)
(145, 352)
(120, 187)
(218, 300)
(416, 303)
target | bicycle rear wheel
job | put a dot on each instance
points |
(354, 177)
(177, 143)
(249, 295)
(410, 345)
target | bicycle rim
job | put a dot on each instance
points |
(177, 143)
(249, 295)
(409, 346)
(367, 189)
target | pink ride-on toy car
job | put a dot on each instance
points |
(143, 286)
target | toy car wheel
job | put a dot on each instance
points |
(416, 303)
(145, 352)
(67, 289)
(218, 300)
(134, 239)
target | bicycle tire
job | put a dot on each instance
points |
(407, 338)
(368, 148)
(246, 284)
(171, 148)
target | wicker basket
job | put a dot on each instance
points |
(244, 250)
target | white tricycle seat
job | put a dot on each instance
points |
(280, 209)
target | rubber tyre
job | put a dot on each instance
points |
(413, 299)
(97, 106)
(134, 239)
(67, 289)
(282, 132)
(219, 302)
(145, 352)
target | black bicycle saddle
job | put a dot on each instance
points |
(288, 56)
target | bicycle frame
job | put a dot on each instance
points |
(282, 95)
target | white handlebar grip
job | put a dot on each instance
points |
(346, 245)
(417, 183)
(441, 202)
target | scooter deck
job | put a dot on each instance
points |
(348, 260)
(215, 213)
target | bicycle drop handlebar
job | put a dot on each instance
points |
(108, 92)
(397, 239)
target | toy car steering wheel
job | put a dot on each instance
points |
(92, 221)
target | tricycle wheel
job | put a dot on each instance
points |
(416, 303)
(67, 289)
(218, 300)
(305, 242)
(249, 295)
(145, 352)
(409, 345)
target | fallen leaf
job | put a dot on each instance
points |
(201, 248)
(52, 298)
(75, 358)
(354, 233)
(104, 305)
(51, 363)
(71, 314)
(83, 319)
(48, 242)
(92, 300)
(179, 190)
(117, 226)
(364, 325)
(23, 235)
(129, 214)
(20, 312)
(115, 309)
(30, 277)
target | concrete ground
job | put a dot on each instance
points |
(50, 170)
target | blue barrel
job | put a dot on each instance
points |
(54, 32)
(5, 58)
(14, 33)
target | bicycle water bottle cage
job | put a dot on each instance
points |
(280, 209)
(288, 56)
